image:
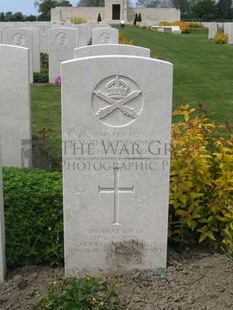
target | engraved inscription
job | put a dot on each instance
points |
(116, 190)
(61, 38)
(117, 101)
(19, 39)
(105, 38)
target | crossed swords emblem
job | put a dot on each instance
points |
(117, 104)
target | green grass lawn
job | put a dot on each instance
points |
(203, 73)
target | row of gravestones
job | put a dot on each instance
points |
(59, 43)
(228, 29)
(116, 126)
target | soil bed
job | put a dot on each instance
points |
(195, 279)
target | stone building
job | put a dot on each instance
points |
(115, 11)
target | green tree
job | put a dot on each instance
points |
(94, 3)
(8, 17)
(224, 9)
(2, 17)
(205, 10)
(44, 7)
(18, 17)
(184, 6)
(99, 19)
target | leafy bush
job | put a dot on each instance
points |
(40, 77)
(44, 61)
(78, 20)
(33, 216)
(184, 26)
(201, 183)
(124, 40)
(43, 75)
(79, 293)
(221, 38)
(44, 154)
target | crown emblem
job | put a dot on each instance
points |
(117, 88)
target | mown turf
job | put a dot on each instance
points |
(203, 71)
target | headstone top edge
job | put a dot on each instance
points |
(15, 46)
(118, 56)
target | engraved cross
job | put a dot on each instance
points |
(116, 190)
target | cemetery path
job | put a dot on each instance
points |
(195, 279)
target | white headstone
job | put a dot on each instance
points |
(43, 30)
(36, 49)
(0, 36)
(213, 28)
(2, 231)
(105, 36)
(83, 37)
(20, 37)
(62, 42)
(15, 116)
(228, 29)
(116, 116)
(111, 49)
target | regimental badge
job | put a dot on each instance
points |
(117, 101)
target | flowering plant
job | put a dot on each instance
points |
(57, 80)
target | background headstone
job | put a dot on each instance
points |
(62, 42)
(213, 28)
(83, 35)
(20, 37)
(15, 116)
(36, 49)
(111, 49)
(228, 29)
(105, 36)
(116, 116)
(2, 230)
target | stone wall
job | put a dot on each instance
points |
(149, 15)
(66, 13)
(154, 15)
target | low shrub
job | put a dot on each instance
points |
(33, 216)
(78, 20)
(40, 77)
(221, 38)
(79, 293)
(43, 75)
(124, 40)
(201, 182)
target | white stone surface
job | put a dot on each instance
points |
(2, 231)
(20, 37)
(83, 35)
(116, 124)
(0, 36)
(35, 49)
(228, 29)
(43, 30)
(62, 42)
(213, 28)
(111, 49)
(15, 116)
(105, 36)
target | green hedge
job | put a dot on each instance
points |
(33, 216)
